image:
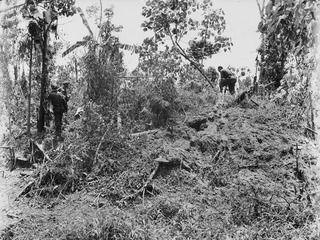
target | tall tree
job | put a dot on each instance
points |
(43, 18)
(176, 21)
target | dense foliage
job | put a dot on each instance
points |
(103, 63)
(288, 30)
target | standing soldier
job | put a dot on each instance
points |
(59, 107)
(227, 80)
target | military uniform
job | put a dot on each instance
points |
(227, 79)
(59, 107)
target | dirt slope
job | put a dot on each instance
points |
(220, 173)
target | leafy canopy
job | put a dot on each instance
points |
(176, 19)
(159, 62)
(180, 21)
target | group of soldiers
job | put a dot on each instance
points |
(240, 80)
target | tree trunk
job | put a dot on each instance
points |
(44, 81)
(76, 69)
(29, 92)
(312, 124)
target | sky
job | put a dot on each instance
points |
(242, 17)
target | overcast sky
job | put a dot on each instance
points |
(242, 18)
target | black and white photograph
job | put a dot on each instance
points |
(159, 119)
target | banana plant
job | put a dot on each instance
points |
(90, 37)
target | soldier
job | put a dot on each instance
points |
(227, 79)
(59, 107)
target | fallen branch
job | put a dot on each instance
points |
(250, 166)
(26, 189)
(311, 130)
(143, 133)
(142, 189)
(254, 102)
(216, 156)
(6, 147)
(269, 84)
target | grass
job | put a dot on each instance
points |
(236, 179)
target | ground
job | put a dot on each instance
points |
(229, 171)
(8, 190)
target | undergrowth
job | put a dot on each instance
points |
(242, 176)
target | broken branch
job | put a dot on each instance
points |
(39, 147)
(142, 189)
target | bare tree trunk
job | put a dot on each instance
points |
(29, 92)
(312, 125)
(76, 69)
(44, 80)
(15, 72)
(10, 120)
